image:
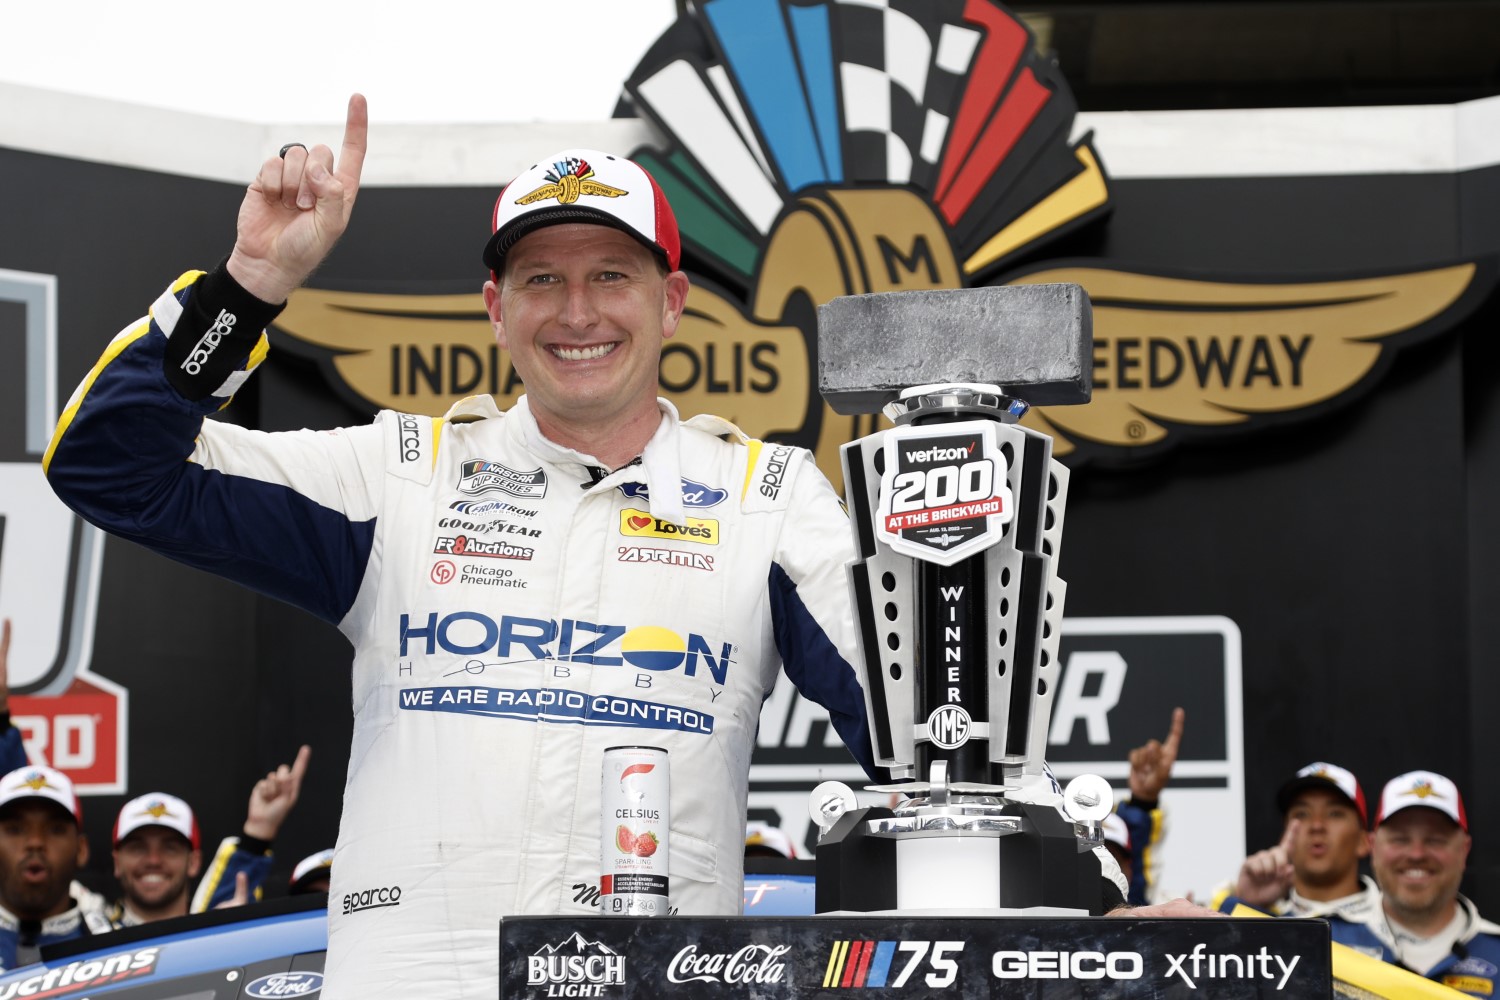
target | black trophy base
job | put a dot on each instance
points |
(1039, 866)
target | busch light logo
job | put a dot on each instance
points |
(285, 984)
(575, 968)
(693, 494)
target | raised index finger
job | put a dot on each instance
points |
(1174, 738)
(356, 140)
(299, 766)
(1289, 838)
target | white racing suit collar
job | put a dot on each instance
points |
(659, 466)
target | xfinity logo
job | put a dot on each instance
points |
(940, 454)
(754, 963)
(209, 342)
(1197, 964)
(1068, 965)
(372, 899)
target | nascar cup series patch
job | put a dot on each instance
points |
(943, 491)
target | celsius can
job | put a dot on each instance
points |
(635, 813)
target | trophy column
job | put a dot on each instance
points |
(957, 513)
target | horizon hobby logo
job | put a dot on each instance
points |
(515, 640)
(569, 180)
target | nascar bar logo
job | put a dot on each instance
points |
(480, 478)
(943, 495)
(575, 967)
(891, 964)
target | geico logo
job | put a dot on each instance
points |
(775, 474)
(645, 647)
(1068, 965)
(606, 969)
(209, 342)
(369, 899)
(411, 439)
(940, 454)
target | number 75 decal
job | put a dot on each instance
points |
(891, 963)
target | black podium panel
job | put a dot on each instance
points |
(996, 957)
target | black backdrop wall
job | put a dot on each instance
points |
(1356, 549)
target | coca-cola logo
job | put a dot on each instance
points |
(754, 963)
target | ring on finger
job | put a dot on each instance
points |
(288, 146)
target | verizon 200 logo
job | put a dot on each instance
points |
(943, 494)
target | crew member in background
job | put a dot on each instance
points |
(1420, 848)
(42, 847)
(237, 873)
(1314, 870)
(762, 840)
(1140, 817)
(157, 851)
(311, 874)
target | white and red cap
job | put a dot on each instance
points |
(37, 782)
(311, 867)
(1116, 832)
(1321, 774)
(157, 809)
(761, 834)
(584, 185)
(1422, 788)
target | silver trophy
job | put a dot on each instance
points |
(957, 513)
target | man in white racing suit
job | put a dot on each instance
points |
(522, 589)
